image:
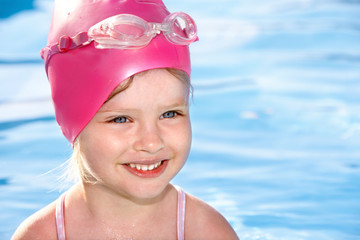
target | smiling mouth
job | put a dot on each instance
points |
(147, 170)
(144, 167)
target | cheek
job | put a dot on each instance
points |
(189, 138)
(98, 147)
(182, 138)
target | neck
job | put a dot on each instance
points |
(105, 204)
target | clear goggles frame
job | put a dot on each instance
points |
(126, 31)
(129, 31)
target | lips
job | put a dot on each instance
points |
(147, 170)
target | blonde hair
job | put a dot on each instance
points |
(78, 169)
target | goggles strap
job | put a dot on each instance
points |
(65, 44)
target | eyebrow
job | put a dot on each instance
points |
(177, 104)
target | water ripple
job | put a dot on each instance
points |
(4, 181)
(16, 123)
(221, 85)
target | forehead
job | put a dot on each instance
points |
(155, 84)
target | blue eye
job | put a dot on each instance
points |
(120, 120)
(170, 114)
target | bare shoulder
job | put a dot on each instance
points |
(40, 225)
(204, 222)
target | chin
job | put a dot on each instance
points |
(148, 191)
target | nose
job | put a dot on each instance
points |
(149, 139)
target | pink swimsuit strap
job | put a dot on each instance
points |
(181, 213)
(60, 215)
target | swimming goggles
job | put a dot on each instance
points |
(126, 31)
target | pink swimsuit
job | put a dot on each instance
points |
(60, 220)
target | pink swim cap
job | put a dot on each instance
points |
(82, 78)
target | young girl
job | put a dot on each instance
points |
(119, 74)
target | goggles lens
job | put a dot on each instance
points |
(182, 29)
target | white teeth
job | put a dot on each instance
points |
(145, 167)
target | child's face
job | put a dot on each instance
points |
(141, 127)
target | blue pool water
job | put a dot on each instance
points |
(276, 116)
